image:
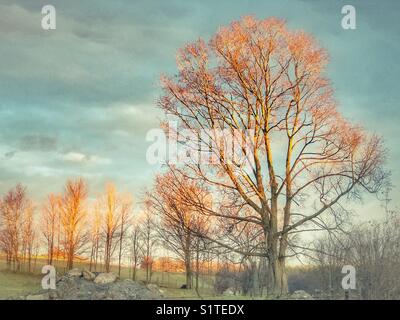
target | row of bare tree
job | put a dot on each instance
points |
(17, 234)
(66, 229)
(64, 226)
(372, 248)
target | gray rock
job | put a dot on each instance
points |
(53, 295)
(229, 292)
(88, 275)
(78, 288)
(104, 278)
(301, 295)
(155, 289)
(74, 272)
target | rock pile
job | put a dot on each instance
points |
(86, 285)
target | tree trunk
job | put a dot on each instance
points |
(282, 276)
(254, 278)
(188, 269)
(276, 269)
(70, 256)
(134, 272)
(276, 274)
(107, 254)
(197, 268)
(91, 258)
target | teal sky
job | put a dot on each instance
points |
(78, 100)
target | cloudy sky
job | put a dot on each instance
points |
(78, 100)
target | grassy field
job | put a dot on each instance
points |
(14, 284)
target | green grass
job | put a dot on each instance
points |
(16, 284)
(179, 294)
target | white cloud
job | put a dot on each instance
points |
(79, 157)
(74, 157)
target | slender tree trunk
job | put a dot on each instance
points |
(91, 258)
(121, 239)
(197, 267)
(188, 261)
(134, 271)
(51, 253)
(70, 255)
(255, 280)
(188, 270)
(96, 258)
(107, 260)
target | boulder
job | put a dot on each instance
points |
(301, 295)
(74, 272)
(88, 275)
(104, 278)
(229, 292)
(78, 288)
(53, 295)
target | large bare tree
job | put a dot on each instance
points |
(263, 84)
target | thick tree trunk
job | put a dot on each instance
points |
(276, 268)
(270, 231)
(276, 275)
(282, 276)
(276, 251)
